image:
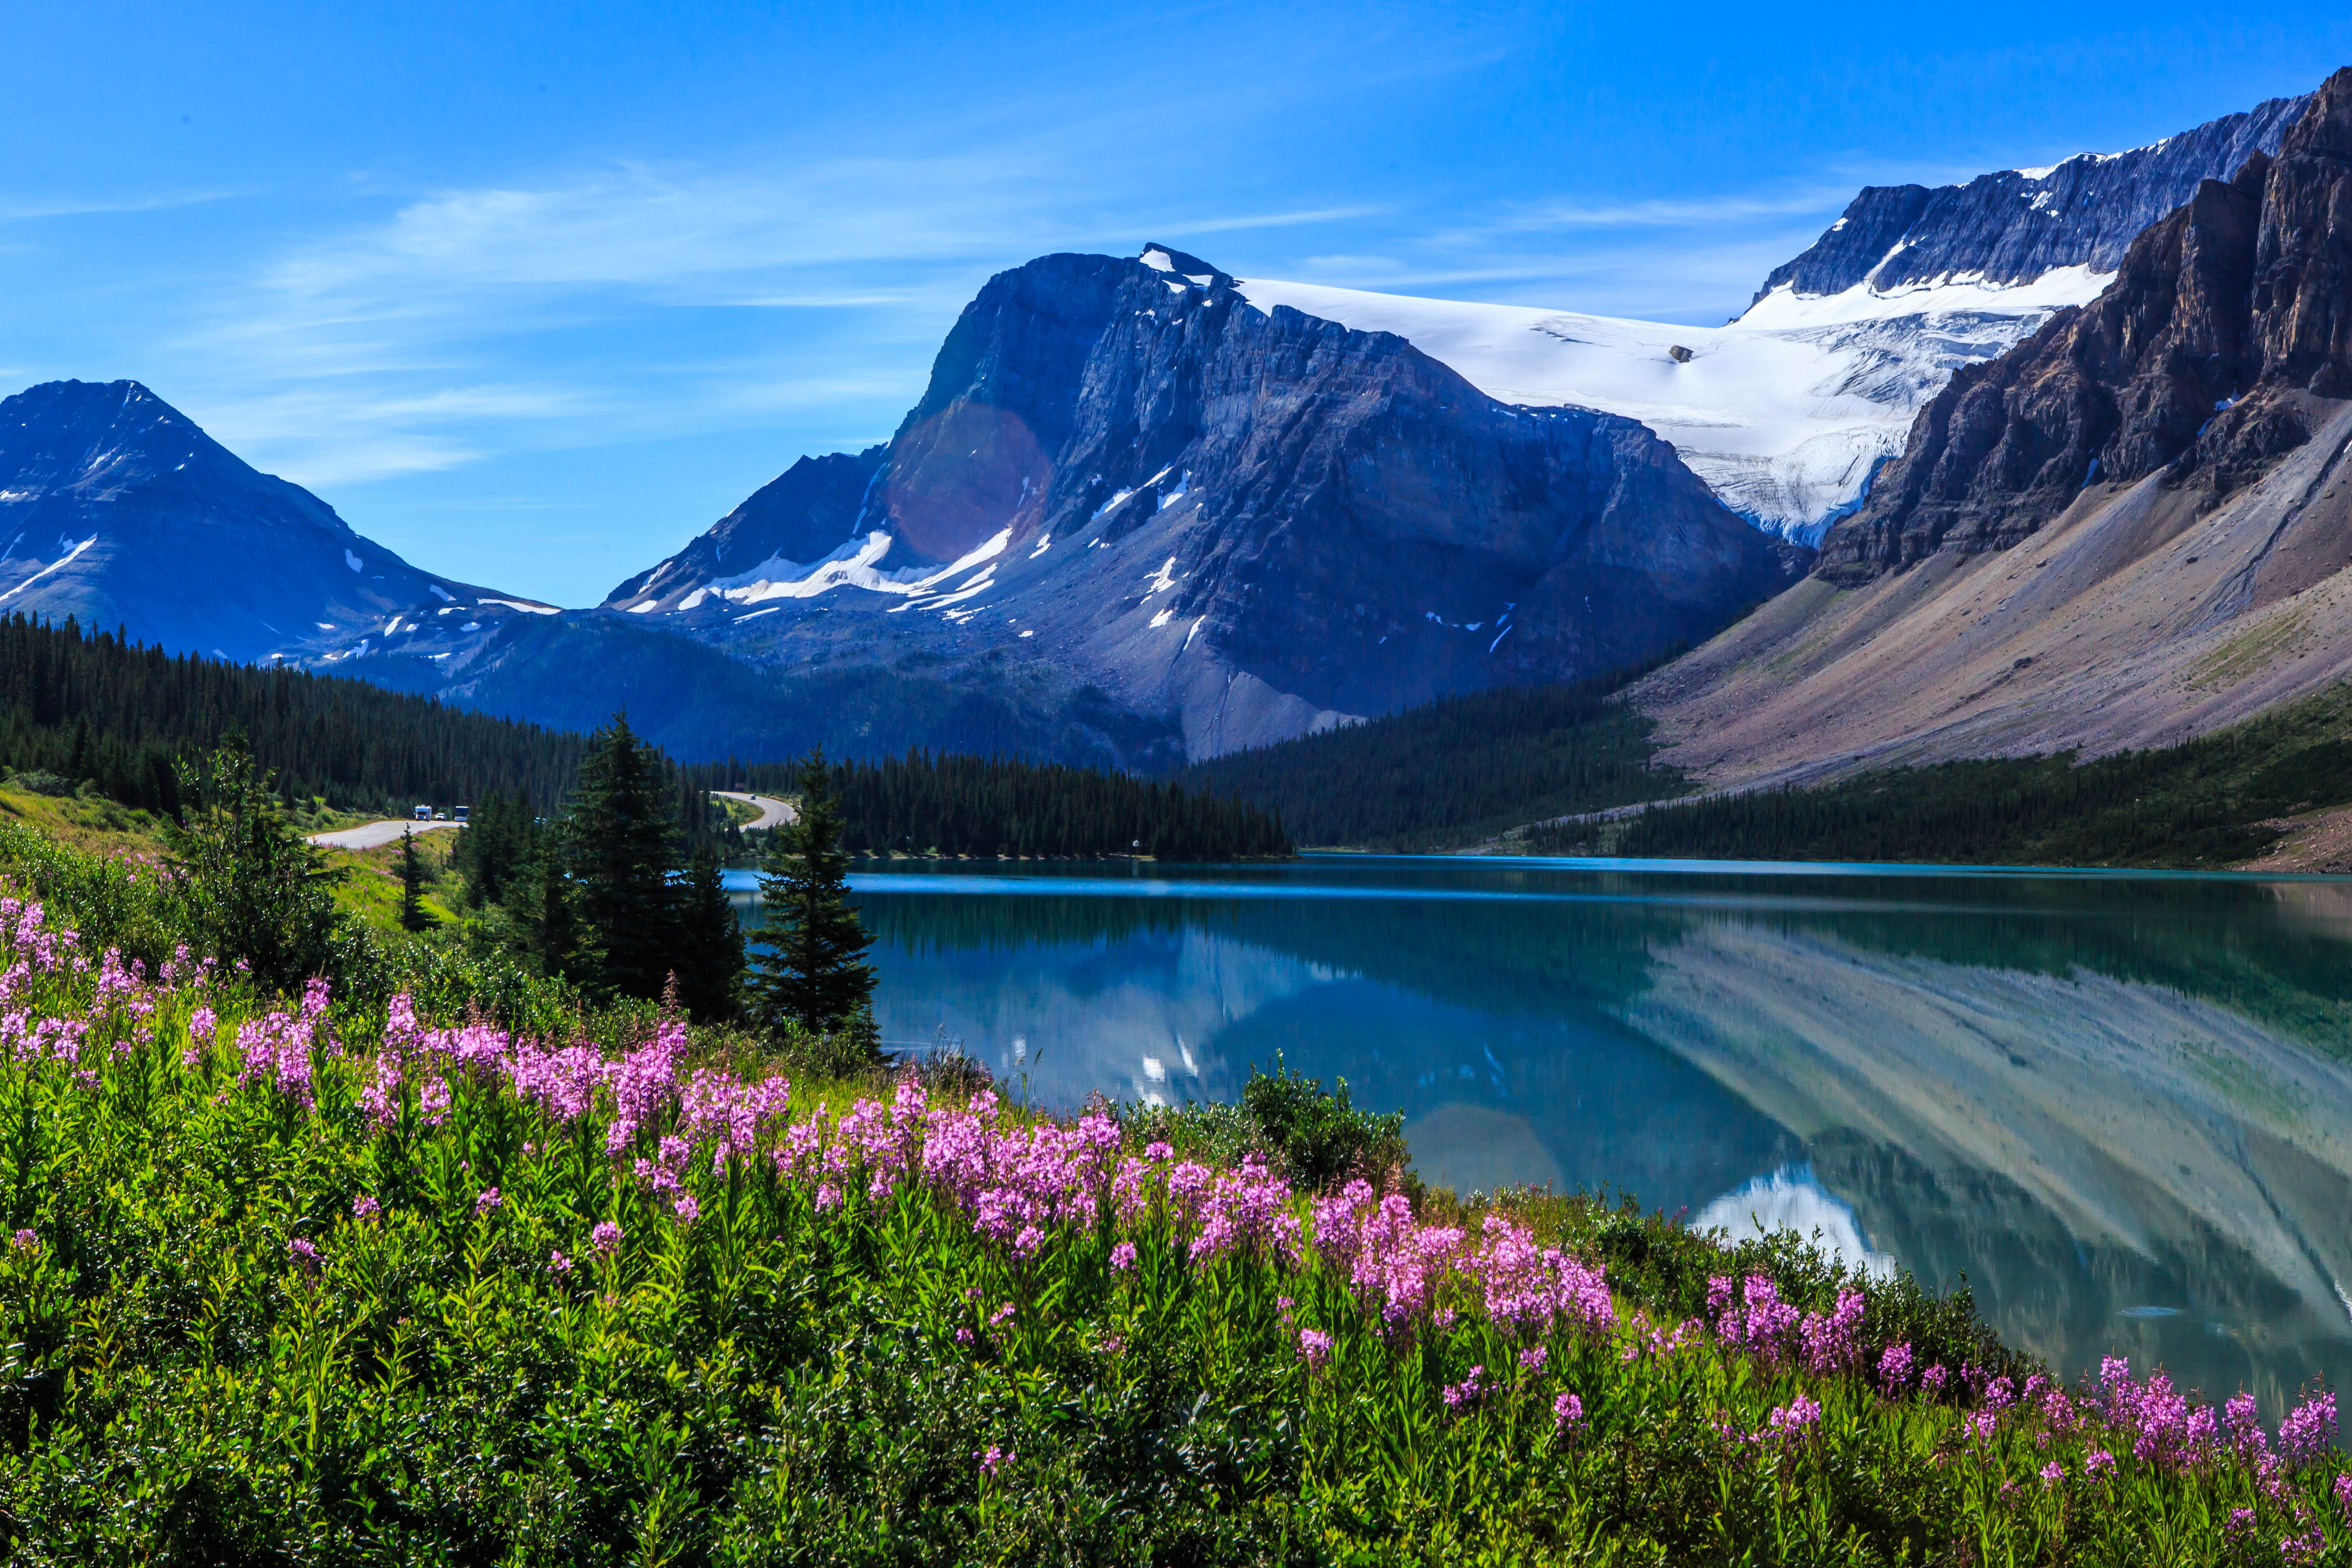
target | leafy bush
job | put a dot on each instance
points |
(1320, 1137)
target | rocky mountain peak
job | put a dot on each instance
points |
(2228, 325)
(117, 507)
(2015, 226)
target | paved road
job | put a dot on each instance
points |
(773, 813)
(375, 835)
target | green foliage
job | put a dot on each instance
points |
(1453, 771)
(2207, 802)
(709, 958)
(926, 804)
(258, 897)
(459, 1374)
(812, 969)
(413, 917)
(619, 845)
(1320, 1137)
(89, 705)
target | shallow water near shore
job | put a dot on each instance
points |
(2118, 1104)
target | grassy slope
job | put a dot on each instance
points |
(2217, 800)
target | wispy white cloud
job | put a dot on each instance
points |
(14, 209)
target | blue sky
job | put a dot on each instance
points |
(532, 294)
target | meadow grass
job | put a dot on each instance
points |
(369, 1279)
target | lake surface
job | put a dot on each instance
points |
(2120, 1105)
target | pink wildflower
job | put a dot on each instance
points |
(1532, 1359)
(488, 1201)
(302, 1253)
(1895, 1366)
(558, 1264)
(1567, 1413)
(606, 1238)
(1316, 1347)
(365, 1209)
(991, 1459)
(1122, 1257)
(2099, 1462)
(2308, 1433)
(1469, 1391)
(687, 1210)
(2053, 1473)
(1795, 1420)
(25, 1241)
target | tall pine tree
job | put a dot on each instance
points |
(710, 960)
(412, 886)
(622, 843)
(812, 970)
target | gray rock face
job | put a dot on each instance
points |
(2013, 226)
(116, 508)
(2228, 328)
(800, 515)
(1259, 523)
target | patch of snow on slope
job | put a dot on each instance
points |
(60, 564)
(1785, 412)
(526, 609)
(851, 566)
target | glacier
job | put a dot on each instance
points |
(1786, 412)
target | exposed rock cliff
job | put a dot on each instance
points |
(1124, 475)
(2209, 358)
(2015, 226)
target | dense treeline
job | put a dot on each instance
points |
(2207, 802)
(929, 803)
(1454, 771)
(79, 705)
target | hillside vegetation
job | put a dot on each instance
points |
(80, 705)
(1453, 771)
(924, 803)
(2209, 803)
(435, 1266)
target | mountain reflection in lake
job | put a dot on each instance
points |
(2120, 1106)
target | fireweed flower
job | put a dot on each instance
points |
(364, 1208)
(488, 1201)
(1316, 1347)
(606, 1238)
(2053, 1473)
(558, 1264)
(1795, 1421)
(302, 1253)
(1532, 1359)
(25, 1241)
(2099, 1462)
(2309, 1431)
(1469, 1391)
(991, 1459)
(688, 1211)
(1567, 1413)
(1895, 1366)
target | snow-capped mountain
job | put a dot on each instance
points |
(2133, 528)
(1127, 476)
(117, 509)
(1787, 411)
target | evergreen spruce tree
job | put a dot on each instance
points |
(412, 886)
(710, 960)
(261, 896)
(622, 843)
(550, 926)
(812, 968)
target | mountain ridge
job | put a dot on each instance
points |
(116, 508)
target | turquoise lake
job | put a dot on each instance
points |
(2119, 1105)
